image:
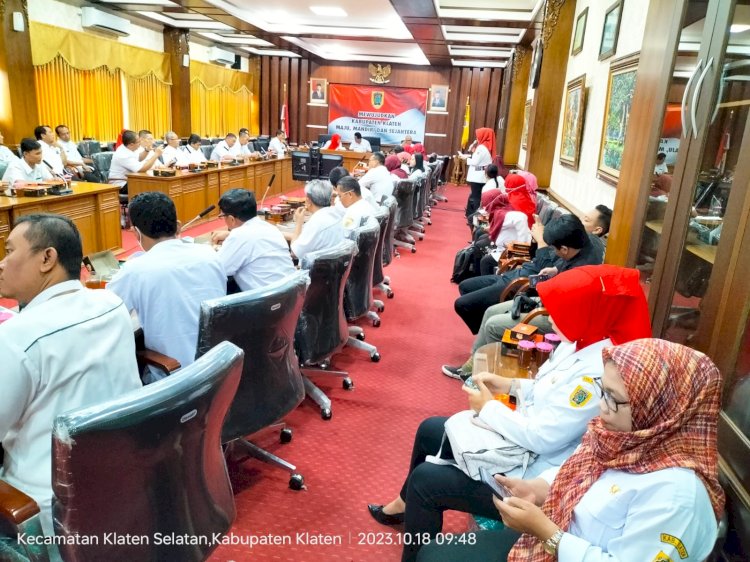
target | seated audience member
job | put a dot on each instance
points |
(53, 156)
(244, 130)
(393, 165)
(359, 144)
(404, 159)
(357, 211)
(334, 143)
(416, 166)
(340, 172)
(377, 179)
(253, 251)
(226, 149)
(244, 144)
(569, 246)
(172, 154)
(166, 285)
(146, 142)
(494, 179)
(522, 194)
(644, 483)
(75, 161)
(605, 306)
(419, 149)
(323, 229)
(506, 225)
(29, 168)
(406, 145)
(6, 154)
(125, 160)
(193, 150)
(69, 347)
(278, 144)
(661, 164)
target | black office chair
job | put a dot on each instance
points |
(404, 194)
(388, 244)
(3, 167)
(262, 142)
(322, 330)
(383, 216)
(103, 162)
(435, 184)
(208, 150)
(147, 463)
(358, 293)
(416, 228)
(262, 323)
(89, 147)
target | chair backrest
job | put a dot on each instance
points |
(207, 149)
(392, 205)
(322, 139)
(3, 167)
(261, 322)
(205, 141)
(103, 161)
(148, 462)
(89, 147)
(322, 329)
(251, 146)
(404, 194)
(358, 292)
(382, 215)
(262, 142)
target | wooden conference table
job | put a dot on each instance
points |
(192, 192)
(93, 207)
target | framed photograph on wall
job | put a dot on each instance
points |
(525, 130)
(536, 64)
(610, 31)
(572, 128)
(438, 98)
(620, 88)
(579, 32)
(318, 90)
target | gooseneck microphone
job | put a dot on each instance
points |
(202, 214)
(270, 183)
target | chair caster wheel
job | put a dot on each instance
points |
(348, 384)
(390, 294)
(380, 308)
(376, 323)
(361, 336)
(413, 250)
(375, 357)
(297, 482)
(286, 435)
(326, 414)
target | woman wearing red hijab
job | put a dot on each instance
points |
(520, 197)
(393, 165)
(591, 308)
(477, 162)
(334, 143)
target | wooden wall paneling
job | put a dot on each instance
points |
(19, 113)
(545, 112)
(265, 96)
(304, 113)
(502, 110)
(519, 81)
(176, 44)
(455, 120)
(493, 99)
(479, 93)
(658, 50)
(294, 103)
(276, 94)
(464, 85)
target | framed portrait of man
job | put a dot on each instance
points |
(318, 90)
(438, 98)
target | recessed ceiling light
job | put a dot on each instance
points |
(738, 27)
(479, 63)
(328, 11)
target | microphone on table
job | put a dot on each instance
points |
(202, 214)
(270, 183)
(58, 176)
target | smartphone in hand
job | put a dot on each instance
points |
(499, 490)
(536, 279)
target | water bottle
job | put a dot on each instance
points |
(715, 210)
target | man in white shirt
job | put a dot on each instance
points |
(359, 144)
(146, 142)
(244, 145)
(378, 179)
(334, 177)
(28, 169)
(253, 250)
(69, 347)
(6, 154)
(75, 162)
(323, 229)
(358, 212)
(125, 160)
(226, 149)
(193, 150)
(278, 144)
(166, 285)
(172, 154)
(53, 155)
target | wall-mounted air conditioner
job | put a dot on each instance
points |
(221, 56)
(91, 18)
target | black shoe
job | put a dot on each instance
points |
(454, 372)
(383, 518)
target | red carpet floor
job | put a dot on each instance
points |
(362, 453)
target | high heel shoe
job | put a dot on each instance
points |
(383, 518)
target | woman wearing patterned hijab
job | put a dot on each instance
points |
(643, 485)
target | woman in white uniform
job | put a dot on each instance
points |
(643, 485)
(592, 308)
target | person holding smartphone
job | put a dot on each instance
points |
(644, 483)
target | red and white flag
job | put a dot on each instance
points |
(285, 115)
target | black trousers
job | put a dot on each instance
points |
(488, 546)
(430, 489)
(480, 293)
(475, 198)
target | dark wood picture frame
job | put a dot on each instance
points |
(580, 32)
(574, 111)
(525, 129)
(536, 64)
(610, 30)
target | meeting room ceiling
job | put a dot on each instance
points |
(477, 33)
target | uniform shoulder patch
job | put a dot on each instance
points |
(662, 557)
(588, 380)
(676, 543)
(580, 397)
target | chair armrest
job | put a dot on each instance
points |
(511, 263)
(514, 287)
(15, 506)
(541, 311)
(158, 360)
